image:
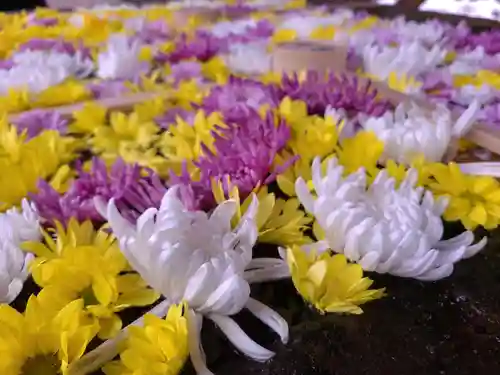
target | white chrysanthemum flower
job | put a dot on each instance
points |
(135, 23)
(197, 257)
(409, 132)
(120, 60)
(16, 226)
(39, 70)
(466, 63)
(410, 59)
(267, 3)
(361, 39)
(384, 228)
(348, 129)
(108, 6)
(249, 58)
(466, 94)
(110, 10)
(182, 4)
(224, 29)
(430, 33)
(304, 25)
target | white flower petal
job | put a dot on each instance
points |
(411, 131)
(196, 353)
(240, 339)
(229, 297)
(16, 226)
(269, 317)
(266, 269)
(120, 59)
(383, 228)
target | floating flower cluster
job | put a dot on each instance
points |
(124, 229)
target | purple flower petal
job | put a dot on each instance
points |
(108, 88)
(36, 121)
(244, 153)
(133, 192)
(337, 91)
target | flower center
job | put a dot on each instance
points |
(88, 296)
(47, 364)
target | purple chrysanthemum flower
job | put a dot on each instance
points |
(437, 80)
(457, 36)
(233, 11)
(202, 47)
(57, 45)
(134, 189)
(186, 70)
(354, 60)
(107, 88)
(171, 115)
(337, 91)
(236, 98)
(489, 40)
(34, 20)
(6, 64)
(263, 29)
(385, 36)
(461, 37)
(36, 121)
(154, 32)
(245, 153)
(490, 114)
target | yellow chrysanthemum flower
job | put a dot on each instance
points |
(403, 83)
(365, 24)
(286, 180)
(283, 36)
(215, 70)
(450, 57)
(323, 32)
(14, 101)
(155, 13)
(43, 340)
(145, 157)
(474, 200)
(488, 77)
(293, 111)
(315, 137)
(329, 282)
(160, 347)
(82, 263)
(361, 151)
(279, 221)
(149, 83)
(23, 162)
(87, 119)
(187, 93)
(295, 4)
(312, 136)
(150, 109)
(124, 129)
(68, 92)
(271, 77)
(399, 171)
(460, 80)
(61, 180)
(300, 168)
(183, 142)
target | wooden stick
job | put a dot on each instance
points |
(480, 134)
(122, 103)
(309, 55)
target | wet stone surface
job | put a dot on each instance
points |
(446, 327)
